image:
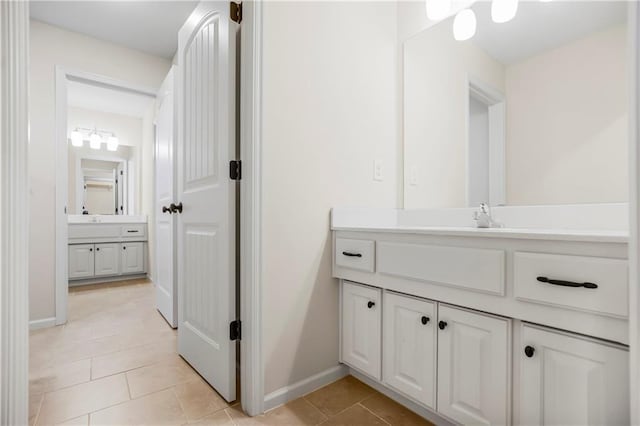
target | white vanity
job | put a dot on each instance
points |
(106, 248)
(487, 326)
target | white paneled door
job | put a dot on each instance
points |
(164, 276)
(206, 225)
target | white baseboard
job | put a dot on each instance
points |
(42, 323)
(419, 410)
(303, 387)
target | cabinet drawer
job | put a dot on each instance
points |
(546, 279)
(133, 230)
(362, 328)
(470, 268)
(355, 254)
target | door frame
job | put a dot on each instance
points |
(14, 212)
(62, 76)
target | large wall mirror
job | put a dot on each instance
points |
(528, 112)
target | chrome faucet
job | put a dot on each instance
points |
(483, 218)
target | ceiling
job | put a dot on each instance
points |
(105, 99)
(539, 26)
(148, 26)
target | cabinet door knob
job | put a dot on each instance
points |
(97, 248)
(442, 325)
(529, 351)
(424, 320)
(90, 249)
(371, 305)
(124, 247)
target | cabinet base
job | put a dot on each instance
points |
(100, 280)
(402, 400)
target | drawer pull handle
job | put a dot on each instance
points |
(442, 325)
(529, 350)
(371, 305)
(132, 230)
(566, 283)
(347, 253)
(424, 320)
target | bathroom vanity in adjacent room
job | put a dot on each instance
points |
(107, 248)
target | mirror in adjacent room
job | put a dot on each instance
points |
(528, 112)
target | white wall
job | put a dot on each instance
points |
(436, 93)
(567, 123)
(329, 105)
(51, 46)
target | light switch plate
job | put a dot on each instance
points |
(377, 170)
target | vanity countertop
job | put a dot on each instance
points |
(100, 218)
(604, 236)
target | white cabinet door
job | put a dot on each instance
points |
(409, 347)
(569, 380)
(361, 328)
(81, 261)
(473, 367)
(132, 255)
(106, 259)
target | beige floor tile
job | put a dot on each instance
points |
(85, 398)
(241, 419)
(146, 380)
(339, 395)
(392, 412)
(35, 401)
(219, 418)
(198, 399)
(130, 359)
(297, 412)
(59, 376)
(356, 415)
(78, 421)
(160, 408)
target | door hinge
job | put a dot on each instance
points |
(121, 172)
(236, 12)
(235, 330)
(235, 169)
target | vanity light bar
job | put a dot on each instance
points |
(96, 138)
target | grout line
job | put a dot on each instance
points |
(35, 421)
(386, 422)
(126, 379)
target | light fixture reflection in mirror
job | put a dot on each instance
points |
(76, 138)
(464, 25)
(112, 143)
(438, 9)
(95, 141)
(503, 10)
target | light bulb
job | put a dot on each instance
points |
(464, 25)
(112, 143)
(503, 10)
(95, 141)
(76, 138)
(438, 9)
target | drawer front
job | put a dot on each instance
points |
(133, 230)
(469, 268)
(355, 254)
(605, 291)
(77, 231)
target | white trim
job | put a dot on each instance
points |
(42, 323)
(14, 213)
(303, 387)
(634, 210)
(402, 400)
(62, 158)
(252, 367)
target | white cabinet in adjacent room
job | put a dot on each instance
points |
(106, 259)
(409, 348)
(570, 379)
(132, 255)
(473, 366)
(361, 328)
(81, 263)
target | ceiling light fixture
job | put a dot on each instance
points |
(112, 143)
(76, 138)
(464, 25)
(95, 141)
(503, 10)
(438, 9)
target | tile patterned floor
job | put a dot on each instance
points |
(115, 363)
